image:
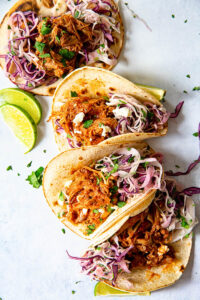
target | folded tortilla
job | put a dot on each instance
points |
(61, 169)
(94, 83)
(49, 8)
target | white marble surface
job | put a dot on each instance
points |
(33, 263)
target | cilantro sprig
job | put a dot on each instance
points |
(35, 178)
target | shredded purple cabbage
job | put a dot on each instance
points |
(177, 110)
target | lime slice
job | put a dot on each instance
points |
(102, 289)
(158, 93)
(21, 124)
(24, 100)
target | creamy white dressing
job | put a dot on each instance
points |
(79, 118)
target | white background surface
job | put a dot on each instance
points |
(33, 263)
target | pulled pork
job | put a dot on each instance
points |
(149, 240)
(62, 38)
(89, 198)
(96, 112)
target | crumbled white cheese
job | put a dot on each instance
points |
(79, 118)
(84, 210)
(122, 112)
(67, 183)
(163, 249)
(77, 131)
(101, 210)
(60, 202)
(106, 129)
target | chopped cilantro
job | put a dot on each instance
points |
(63, 230)
(150, 115)
(57, 39)
(123, 102)
(58, 215)
(44, 150)
(184, 223)
(77, 282)
(87, 123)
(131, 159)
(196, 88)
(95, 211)
(110, 209)
(114, 189)
(187, 235)
(188, 75)
(185, 21)
(69, 136)
(18, 174)
(29, 164)
(145, 164)
(129, 149)
(61, 196)
(106, 98)
(9, 168)
(177, 166)
(35, 178)
(115, 168)
(63, 32)
(185, 92)
(30, 84)
(121, 203)
(40, 46)
(13, 52)
(76, 14)
(173, 16)
(90, 229)
(66, 54)
(98, 248)
(144, 113)
(44, 55)
(73, 292)
(46, 29)
(74, 94)
(102, 45)
(99, 180)
(9, 27)
(195, 134)
(100, 219)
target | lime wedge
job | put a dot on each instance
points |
(21, 124)
(102, 289)
(158, 93)
(24, 100)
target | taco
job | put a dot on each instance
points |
(151, 250)
(93, 106)
(43, 40)
(92, 188)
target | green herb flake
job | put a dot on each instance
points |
(173, 16)
(185, 92)
(73, 292)
(123, 102)
(76, 15)
(102, 45)
(30, 84)
(57, 39)
(177, 166)
(129, 149)
(144, 113)
(121, 203)
(196, 88)
(40, 46)
(44, 150)
(185, 21)
(99, 180)
(195, 134)
(106, 98)
(145, 164)
(46, 29)
(66, 54)
(69, 136)
(35, 178)
(87, 123)
(58, 215)
(29, 164)
(45, 55)
(184, 223)
(61, 196)
(90, 229)
(95, 211)
(77, 282)
(63, 230)
(115, 168)
(187, 235)
(9, 168)
(74, 94)
(114, 189)
(98, 248)
(9, 27)
(110, 209)
(131, 159)
(18, 174)
(188, 75)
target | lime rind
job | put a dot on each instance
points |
(23, 99)
(21, 124)
(103, 289)
(158, 93)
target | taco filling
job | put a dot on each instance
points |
(98, 190)
(41, 50)
(86, 121)
(145, 240)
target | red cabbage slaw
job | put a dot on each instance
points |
(134, 174)
(22, 27)
(178, 214)
(132, 116)
(103, 26)
(106, 260)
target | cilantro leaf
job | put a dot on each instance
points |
(196, 88)
(76, 14)
(66, 54)
(74, 94)
(29, 164)
(9, 168)
(121, 203)
(46, 29)
(87, 123)
(40, 46)
(35, 178)
(44, 55)
(195, 134)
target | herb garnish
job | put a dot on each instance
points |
(196, 88)
(90, 229)
(110, 209)
(46, 29)
(87, 123)
(76, 14)
(114, 189)
(184, 223)
(61, 196)
(29, 164)
(121, 203)
(195, 134)
(40, 46)
(57, 39)
(63, 230)
(73, 292)
(99, 180)
(9, 168)
(35, 178)
(173, 16)
(115, 168)
(44, 55)
(74, 94)
(131, 159)
(188, 75)
(66, 54)
(106, 98)
(95, 211)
